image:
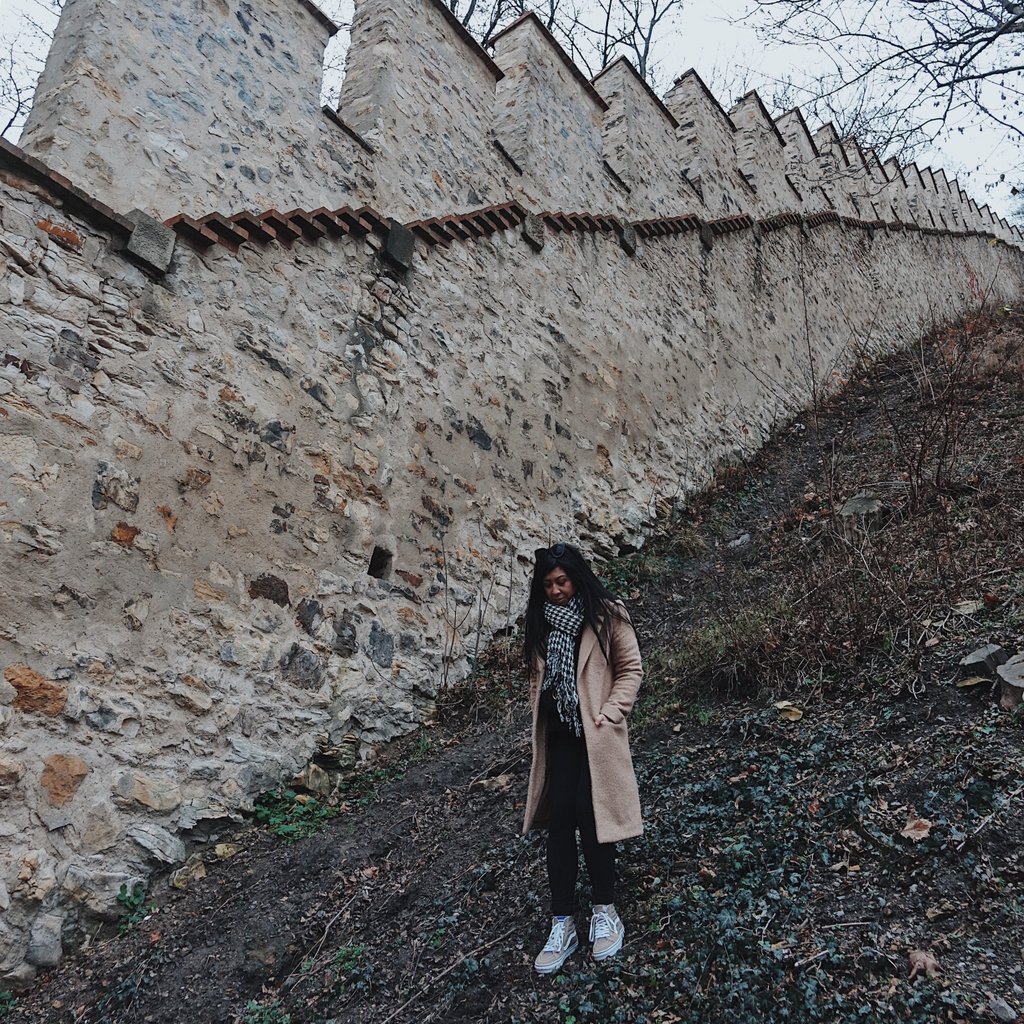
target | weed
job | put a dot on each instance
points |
(134, 903)
(362, 788)
(700, 713)
(7, 1002)
(497, 681)
(346, 958)
(264, 1013)
(291, 815)
(421, 748)
(351, 971)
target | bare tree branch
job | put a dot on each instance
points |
(956, 55)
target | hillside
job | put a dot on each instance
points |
(852, 854)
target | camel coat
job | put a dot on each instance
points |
(607, 687)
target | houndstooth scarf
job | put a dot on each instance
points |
(565, 621)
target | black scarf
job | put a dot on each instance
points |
(565, 621)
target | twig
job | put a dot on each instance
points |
(991, 572)
(861, 829)
(811, 959)
(987, 820)
(448, 970)
(847, 924)
(486, 772)
(317, 946)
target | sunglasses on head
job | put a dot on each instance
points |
(555, 551)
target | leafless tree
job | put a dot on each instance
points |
(593, 32)
(22, 54)
(857, 112)
(917, 65)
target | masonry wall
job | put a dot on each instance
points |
(197, 471)
(267, 483)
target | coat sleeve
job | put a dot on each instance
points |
(627, 668)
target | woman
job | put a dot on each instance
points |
(585, 671)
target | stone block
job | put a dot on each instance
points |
(35, 692)
(628, 239)
(11, 772)
(113, 484)
(62, 775)
(533, 231)
(44, 945)
(158, 842)
(399, 246)
(156, 794)
(150, 242)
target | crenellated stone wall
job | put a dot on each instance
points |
(268, 480)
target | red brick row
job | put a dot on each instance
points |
(735, 222)
(660, 226)
(823, 217)
(274, 226)
(560, 221)
(232, 232)
(465, 226)
(780, 220)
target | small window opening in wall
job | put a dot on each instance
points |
(380, 563)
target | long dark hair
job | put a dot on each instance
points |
(598, 601)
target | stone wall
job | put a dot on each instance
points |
(267, 481)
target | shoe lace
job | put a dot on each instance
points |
(601, 926)
(556, 940)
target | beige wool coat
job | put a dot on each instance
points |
(606, 686)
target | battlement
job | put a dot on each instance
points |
(428, 122)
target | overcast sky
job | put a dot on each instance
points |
(713, 37)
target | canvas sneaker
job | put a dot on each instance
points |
(606, 931)
(561, 944)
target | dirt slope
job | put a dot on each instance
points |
(855, 856)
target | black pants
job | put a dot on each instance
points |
(572, 808)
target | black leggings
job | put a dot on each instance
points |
(572, 808)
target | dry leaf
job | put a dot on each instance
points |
(973, 681)
(917, 829)
(496, 784)
(922, 962)
(932, 641)
(968, 607)
(944, 909)
(789, 711)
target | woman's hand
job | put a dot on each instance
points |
(599, 721)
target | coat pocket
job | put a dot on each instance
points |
(613, 714)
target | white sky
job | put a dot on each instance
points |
(711, 36)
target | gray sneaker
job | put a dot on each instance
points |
(561, 944)
(606, 931)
